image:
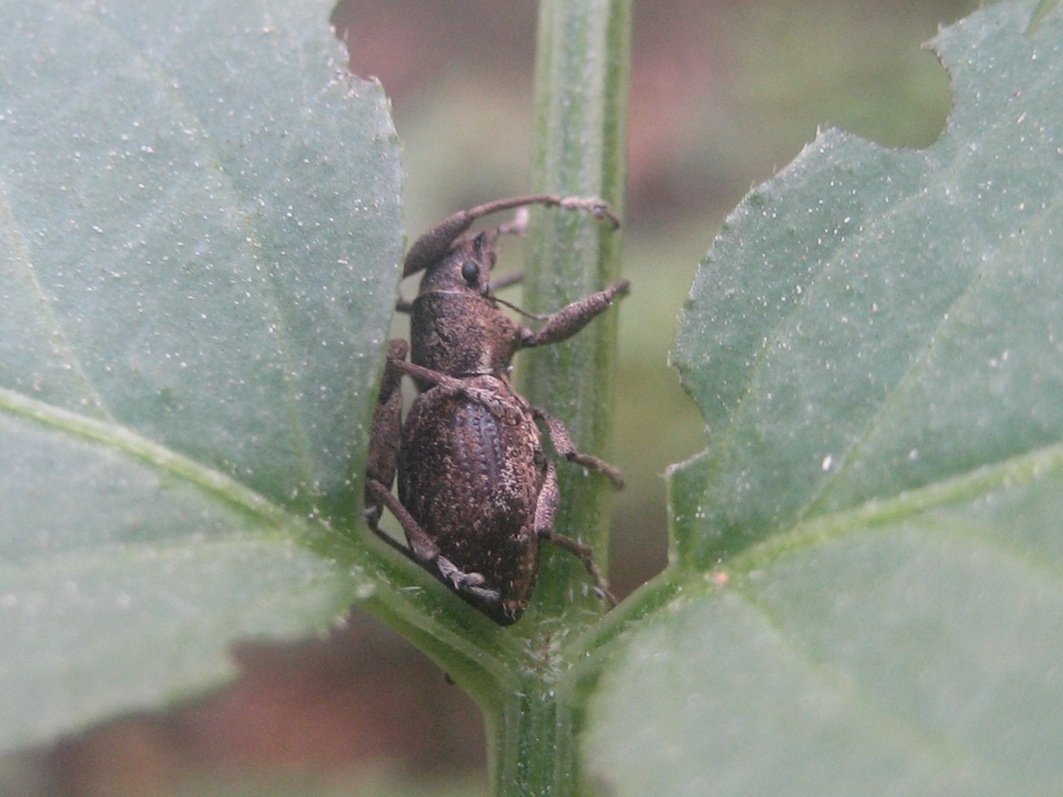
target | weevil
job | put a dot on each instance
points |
(477, 492)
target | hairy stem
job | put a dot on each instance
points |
(581, 95)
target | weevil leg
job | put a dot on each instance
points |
(570, 319)
(422, 549)
(451, 384)
(386, 431)
(435, 243)
(545, 511)
(546, 504)
(484, 594)
(585, 555)
(518, 225)
(466, 582)
(422, 374)
(564, 446)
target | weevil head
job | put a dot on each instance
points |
(456, 326)
(466, 268)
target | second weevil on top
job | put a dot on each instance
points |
(477, 492)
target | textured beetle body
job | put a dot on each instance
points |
(477, 492)
(483, 523)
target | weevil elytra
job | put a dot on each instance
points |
(477, 491)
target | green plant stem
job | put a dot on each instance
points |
(535, 741)
(581, 96)
(579, 151)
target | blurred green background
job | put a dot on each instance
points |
(723, 94)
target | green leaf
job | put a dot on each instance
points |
(867, 585)
(200, 231)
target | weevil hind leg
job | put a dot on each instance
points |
(422, 549)
(545, 512)
(472, 583)
(586, 556)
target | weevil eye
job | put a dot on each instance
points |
(470, 271)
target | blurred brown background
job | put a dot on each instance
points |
(723, 93)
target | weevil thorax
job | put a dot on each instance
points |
(456, 326)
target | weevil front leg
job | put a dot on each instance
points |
(545, 512)
(570, 319)
(435, 243)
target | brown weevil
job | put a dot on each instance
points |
(477, 492)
